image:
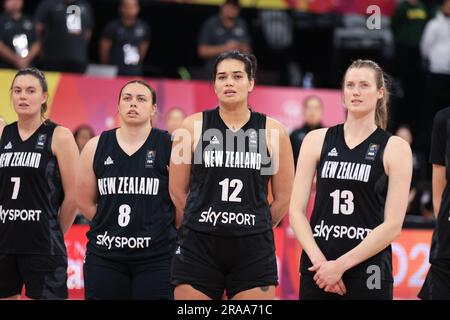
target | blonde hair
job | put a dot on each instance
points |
(381, 111)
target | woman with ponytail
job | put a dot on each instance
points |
(37, 201)
(363, 179)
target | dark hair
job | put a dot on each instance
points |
(87, 127)
(38, 74)
(381, 111)
(232, 2)
(248, 59)
(145, 84)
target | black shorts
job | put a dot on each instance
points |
(44, 276)
(357, 289)
(213, 264)
(437, 282)
(106, 279)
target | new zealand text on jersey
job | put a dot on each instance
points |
(128, 185)
(346, 171)
(20, 159)
(231, 159)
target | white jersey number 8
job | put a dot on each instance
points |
(124, 215)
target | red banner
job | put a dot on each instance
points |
(94, 101)
(409, 251)
(76, 241)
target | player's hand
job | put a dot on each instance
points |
(338, 288)
(327, 274)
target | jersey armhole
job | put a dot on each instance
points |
(52, 136)
(324, 148)
(383, 152)
(2, 135)
(204, 127)
(97, 152)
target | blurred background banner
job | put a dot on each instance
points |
(312, 6)
(91, 100)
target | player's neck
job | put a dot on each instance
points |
(234, 111)
(15, 15)
(29, 124)
(235, 117)
(227, 22)
(359, 127)
(133, 134)
(128, 22)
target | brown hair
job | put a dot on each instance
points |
(38, 74)
(145, 84)
(381, 111)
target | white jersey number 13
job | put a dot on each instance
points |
(346, 196)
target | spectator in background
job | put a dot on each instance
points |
(65, 27)
(174, 119)
(125, 41)
(18, 45)
(435, 48)
(42, 189)
(82, 135)
(407, 26)
(223, 32)
(335, 265)
(420, 192)
(312, 119)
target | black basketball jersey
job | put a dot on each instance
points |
(440, 154)
(350, 196)
(31, 193)
(229, 179)
(135, 216)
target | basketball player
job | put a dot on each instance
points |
(226, 241)
(363, 179)
(437, 282)
(123, 189)
(37, 199)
